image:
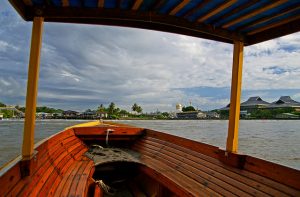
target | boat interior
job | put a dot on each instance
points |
(120, 160)
(107, 159)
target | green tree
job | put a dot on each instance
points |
(139, 109)
(123, 112)
(101, 108)
(134, 107)
(2, 105)
(111, 108)
(188, 108)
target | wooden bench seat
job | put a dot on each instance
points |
(178, 163)
(58, 169)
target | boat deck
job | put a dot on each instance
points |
(166, 166)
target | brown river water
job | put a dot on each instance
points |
(274, 140)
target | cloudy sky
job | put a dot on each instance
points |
(83, 66)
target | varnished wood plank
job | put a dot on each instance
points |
(238, 183)
(103, 131)
(196, 8)
(100, 3)
(254, 180)
(253, 13)
(65, 3)
(137, 4)
(82, 182)
(43, 165)
(216, 10)
(67, 179)
(179, 7)
(98, 192)
(56, 174)
(27, 2)
(188, 186)
(197, 172)
(273, 25)
(59, 178)
(278, 173)
(206, 149)
(72, 182)
(10, 179)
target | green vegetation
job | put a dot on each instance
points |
(270, 114)
(135, 107)
(48, 110)
(7, 113)
(188, 108)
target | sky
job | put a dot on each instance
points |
(83, 66)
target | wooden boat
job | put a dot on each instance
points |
(98, 159)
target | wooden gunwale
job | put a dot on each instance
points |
(223, 180)
(266, 185)
(249, 169)
(55, 156)
(41, 166)
(247, 177)
(190, 171)
(206, 149)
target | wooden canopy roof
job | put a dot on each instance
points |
(249, 21)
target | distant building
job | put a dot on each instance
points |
(1, 116)
(251, 104)
(102, 114)
(254, 103)
(89, 114)
(43, 115)
(191, 115)
(70, 114)
(178, 107)
(212, 115)
(285, 102)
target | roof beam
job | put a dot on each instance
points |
(195, 9)
(65, 3)
(236, 10)
(282, 30)
(216, 10)
(118, 3)
(179, 7)
(253, 13)
(137, 4)
(20, 8)
(156, 5)
(268, 18)
(272, 25)
(27, 2)
(139, 19)
(100, 3)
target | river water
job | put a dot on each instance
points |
(274, 140)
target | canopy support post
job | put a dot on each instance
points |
(236, 85)
(31, 96)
